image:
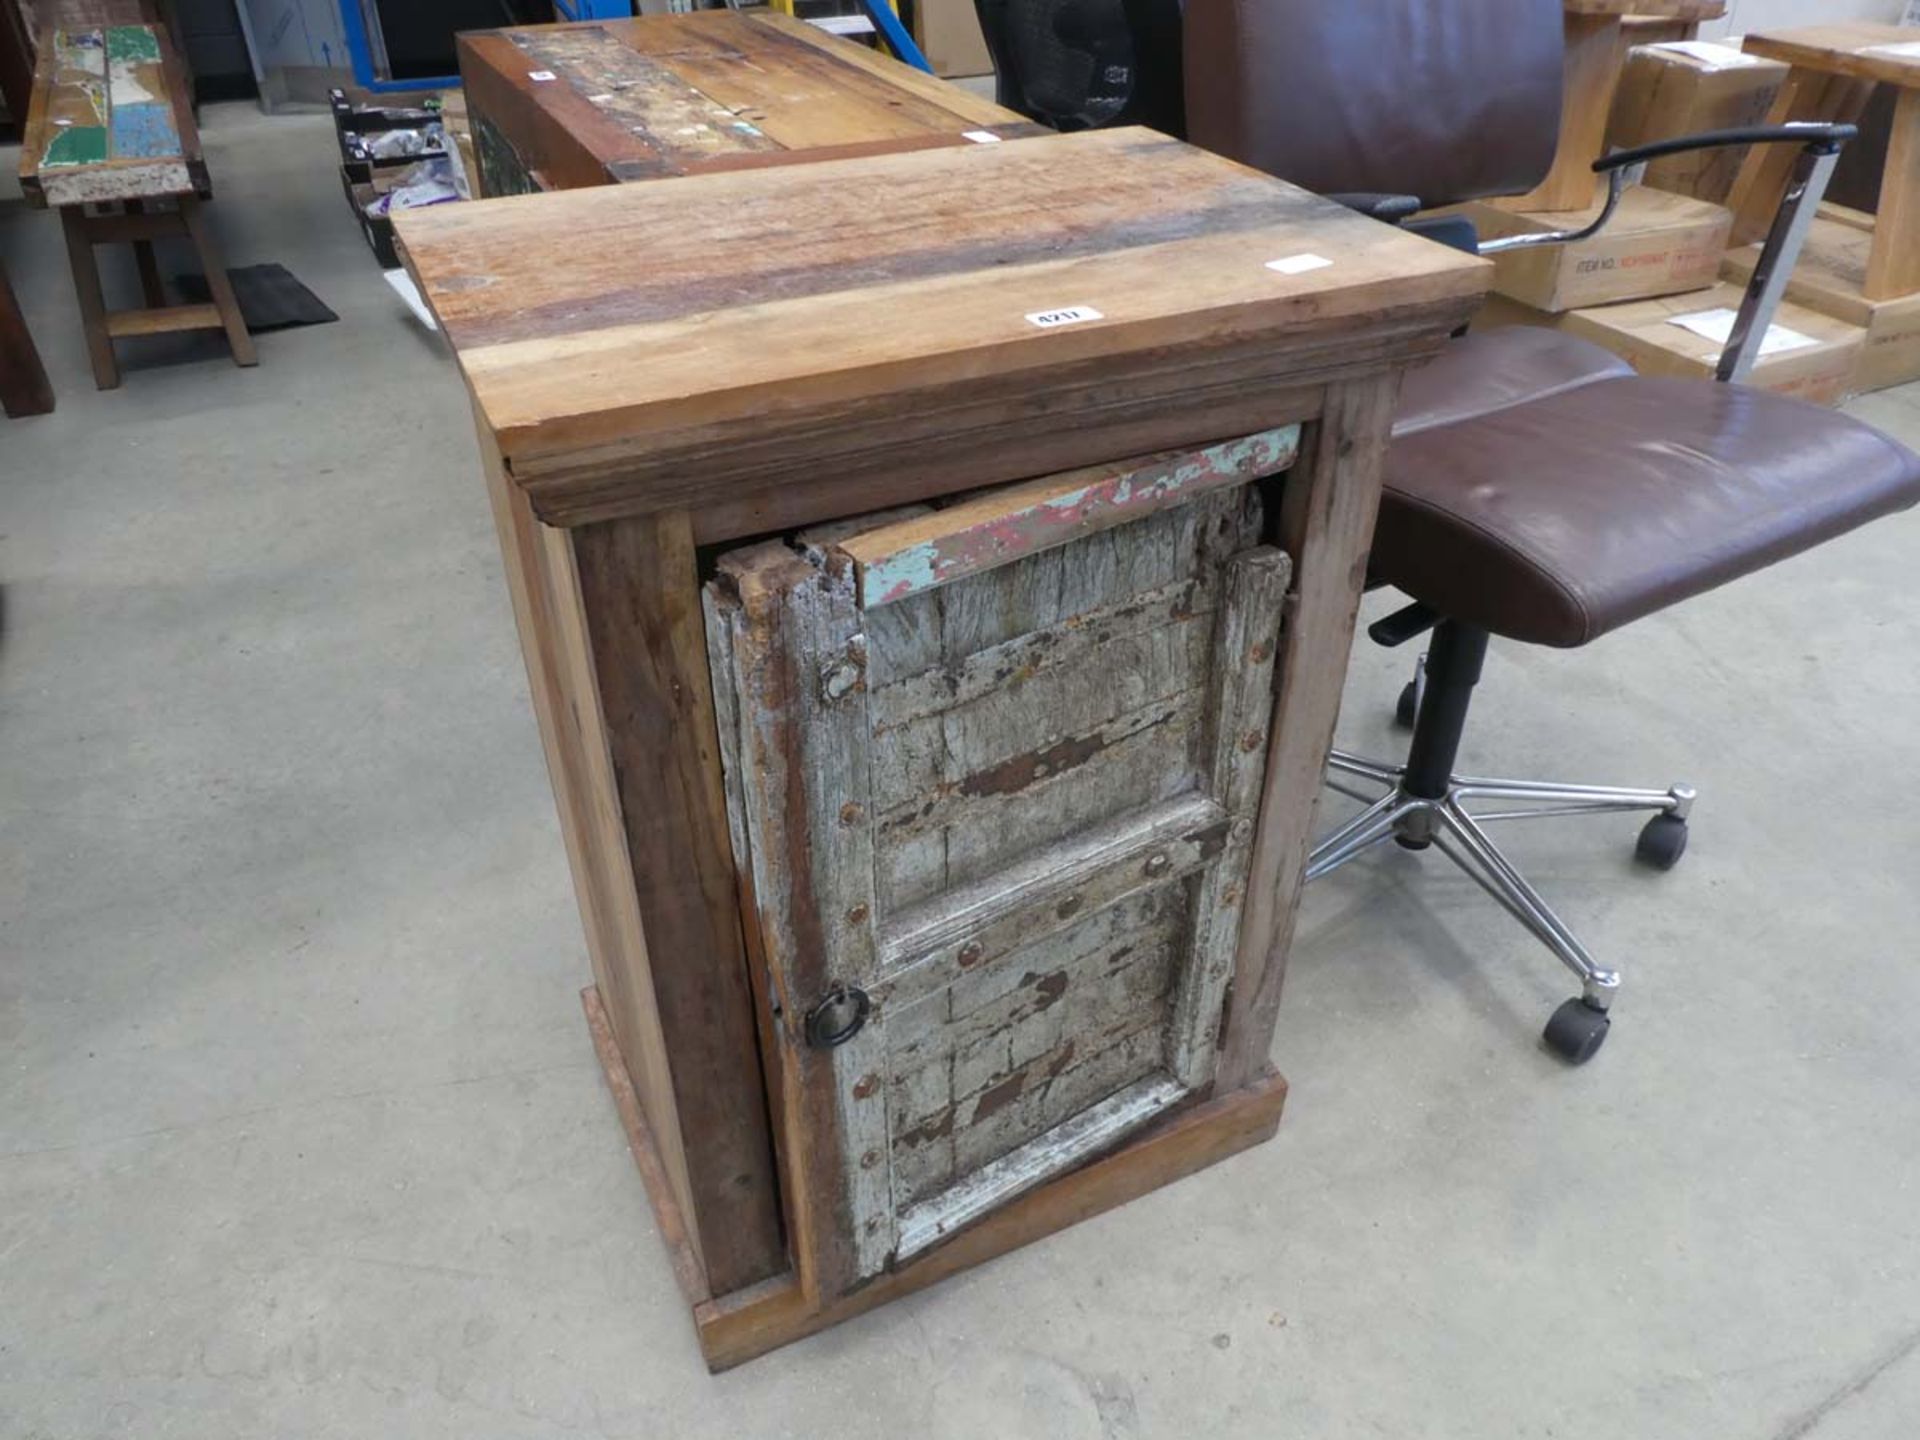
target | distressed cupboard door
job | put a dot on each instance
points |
(993, 785)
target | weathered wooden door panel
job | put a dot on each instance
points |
(1006, 812)
(1074, 691)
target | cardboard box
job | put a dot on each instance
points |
(1643, 333)
(949, 36)
(1658, 244)
(1667, 91)
(1831, 278)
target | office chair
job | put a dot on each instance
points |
(1082, 64)
(1537, 489)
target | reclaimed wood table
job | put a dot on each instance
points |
(1597, 44)
(111, 128)
(768, 861)
(556, 107)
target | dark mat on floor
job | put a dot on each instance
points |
(270, 298)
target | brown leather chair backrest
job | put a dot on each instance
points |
(1448, 100)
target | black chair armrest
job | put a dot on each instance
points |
(1815, 141)
(1820, 147)
(1391, 209)
(1821, 139)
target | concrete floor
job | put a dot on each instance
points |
(300, 1133)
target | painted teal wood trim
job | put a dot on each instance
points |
(988, 533)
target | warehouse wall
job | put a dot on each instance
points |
(300, 48)
(303, 33)
(216, 49)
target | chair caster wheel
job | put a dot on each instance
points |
(1407, 708)
(1663, 840)
(1576, 1031)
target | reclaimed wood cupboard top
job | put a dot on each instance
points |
(619, 100)
(109, 120)
(987, 312)
(1888, 53)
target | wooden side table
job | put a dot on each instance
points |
(556, 107)
(111, 144)
(1597, 44)
(755, 354)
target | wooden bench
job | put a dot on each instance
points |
(110, 143)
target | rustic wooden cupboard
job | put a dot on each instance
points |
(936, 573)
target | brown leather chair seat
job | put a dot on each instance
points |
(1558, 518)
(1488, 370)
(1534, 490)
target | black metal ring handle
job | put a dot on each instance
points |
(829, 1024)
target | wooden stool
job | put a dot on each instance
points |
(1859, 268)
(1596, 53)
(739, 962)
(111, 144)
(1835, 70)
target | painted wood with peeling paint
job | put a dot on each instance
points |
(1103, 865)
(1009, 816)
(1012, 1175)
(896, 561)
(1244, 649)
(799, 672)
(109, 120)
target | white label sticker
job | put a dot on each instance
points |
(1298, 264)
(1717, 326)
(1714, 57)
(1065, 315)
(980, 137)
(541, 75)
(404, 287)
(1907, 50)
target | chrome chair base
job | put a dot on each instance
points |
(1447, 824)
